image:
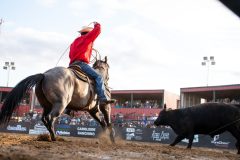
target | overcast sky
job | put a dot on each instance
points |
(154, 44)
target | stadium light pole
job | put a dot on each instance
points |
(1, 22)
(9, 66)
(208, 62)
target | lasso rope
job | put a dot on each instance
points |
(62, 55)
(226, 125)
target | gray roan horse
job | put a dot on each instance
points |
(58, 89)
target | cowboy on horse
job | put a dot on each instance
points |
(58, 88)
(80, 53)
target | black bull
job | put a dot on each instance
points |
(208, 118)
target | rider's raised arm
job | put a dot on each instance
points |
(92, 35)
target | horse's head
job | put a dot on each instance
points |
(101, 66)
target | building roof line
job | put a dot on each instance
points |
(138, 91)
(211, 88)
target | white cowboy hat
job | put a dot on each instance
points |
(85, 29)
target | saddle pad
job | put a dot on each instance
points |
(79, 73)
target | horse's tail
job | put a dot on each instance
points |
(15, 96)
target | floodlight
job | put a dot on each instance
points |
(213, 63)
(212, 58)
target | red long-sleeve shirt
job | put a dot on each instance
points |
(81, 48)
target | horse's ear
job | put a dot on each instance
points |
(106, 59)
(165, 106)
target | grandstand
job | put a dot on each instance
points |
(222, 93)
(134, 103)
(142, 102)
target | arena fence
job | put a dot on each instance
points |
(164, 135)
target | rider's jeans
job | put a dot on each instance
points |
(93, 75)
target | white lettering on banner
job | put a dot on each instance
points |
(63, 133)
(129, 136)
(164, 135)
(195, 139)
(138, 137)
(130, 129)
(139, 131)
(219, 143)
(38, 129)
(39, 126)
(16, 128)
(86, 133)
(86, 129)
(160, 136)
(37, 132)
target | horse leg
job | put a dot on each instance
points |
(44, 119)
(57, 109)
(45, 104)
(95, 114)
(106, 110)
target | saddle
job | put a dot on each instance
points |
(82, 76)
(79, 73)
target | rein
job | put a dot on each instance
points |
(97, 65)
(107, 90)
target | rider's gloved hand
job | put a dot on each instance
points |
(94, 23)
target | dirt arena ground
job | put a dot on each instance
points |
(28, 147)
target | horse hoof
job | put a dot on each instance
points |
(54, 139)
(112, 139)
(112, 135)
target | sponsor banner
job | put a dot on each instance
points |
(136, 134)
(130, 133)
(219, 142)
(139, 134)
(16, 127)
(195, 139)
(63, 130)
(85, 131)
(158, 135)
(38, 128)
(167, 136)
(224, 140)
